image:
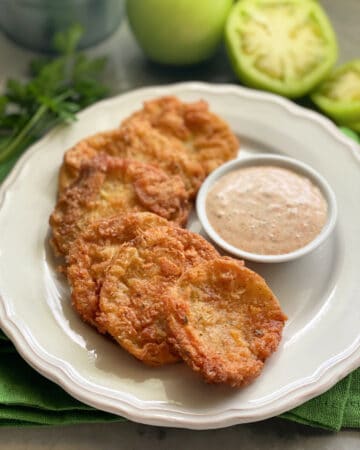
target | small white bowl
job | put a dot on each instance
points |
(262, 160)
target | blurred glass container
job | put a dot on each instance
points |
(33, 23)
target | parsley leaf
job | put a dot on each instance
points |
(58, 89)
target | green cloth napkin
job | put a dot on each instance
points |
(28, 399)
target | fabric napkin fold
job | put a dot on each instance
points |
(28, 399)
(335, 409)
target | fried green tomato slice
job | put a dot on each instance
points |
(224, 321)
(131, 306)
(91, 253)
(109, 186)
(339, 95)
(137, 140)
(284, 46)
(204, 136)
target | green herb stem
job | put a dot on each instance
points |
(9, 149)
(58, 89)
(43, 109)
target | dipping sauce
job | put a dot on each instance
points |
(266, 210)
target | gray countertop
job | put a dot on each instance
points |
(127, 70)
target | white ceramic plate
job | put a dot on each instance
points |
(319, 292)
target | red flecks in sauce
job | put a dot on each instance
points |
(266, 210)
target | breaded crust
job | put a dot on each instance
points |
(137, 140)
(131, 308)
(93, 250)
(206, 137)
(224, 321)
(108, 186)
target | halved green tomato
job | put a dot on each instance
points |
(355, 126)
(285, 46)
(339, 95)
(350, 133)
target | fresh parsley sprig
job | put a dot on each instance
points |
(57, 90)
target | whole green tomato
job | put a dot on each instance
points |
(178, 32)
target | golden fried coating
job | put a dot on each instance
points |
(108, 186)
(93, 250)
(207, 138)
(224, 321)
(137, 140)
(131, 309)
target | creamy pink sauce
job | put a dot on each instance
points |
(266, 210)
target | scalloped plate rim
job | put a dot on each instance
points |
(319, 382)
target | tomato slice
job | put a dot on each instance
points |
(355, 126)
(285, 46)
(339, 95)
(350, 133)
